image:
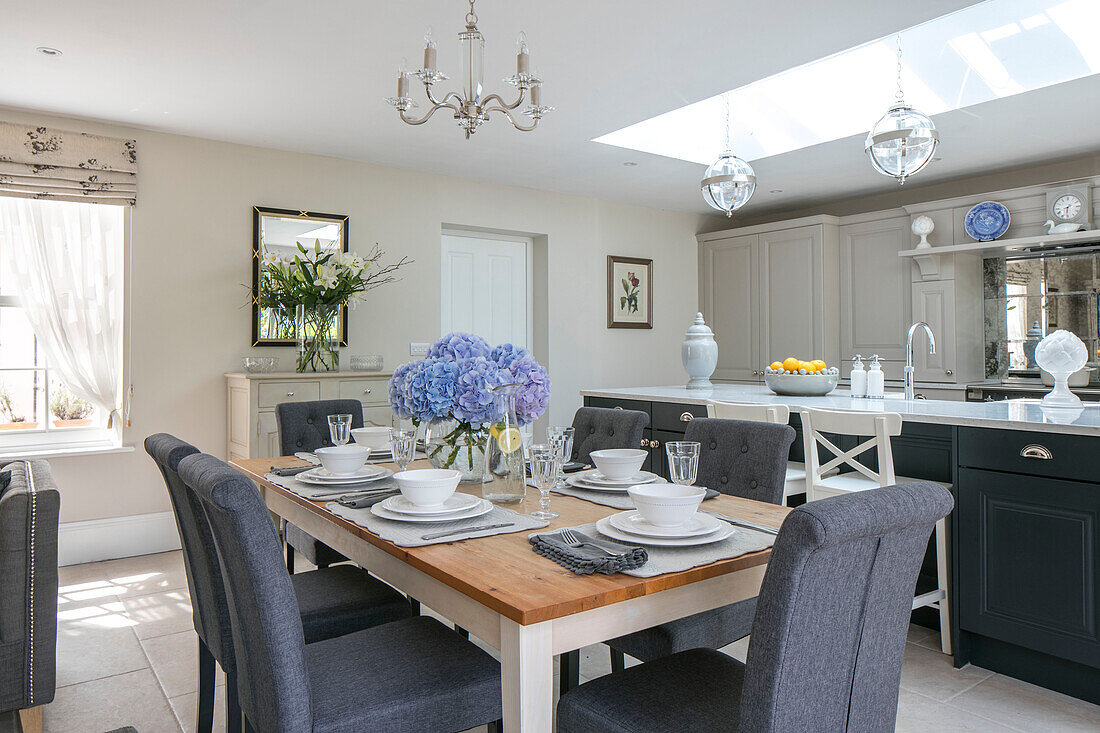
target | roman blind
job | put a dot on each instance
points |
(59, 165)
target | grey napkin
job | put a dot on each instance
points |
(369, 500)
(586, 560)
(291, 471)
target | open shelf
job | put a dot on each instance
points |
(1009, 246)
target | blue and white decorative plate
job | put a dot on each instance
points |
(987, 221)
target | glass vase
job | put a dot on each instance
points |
(505, 480)
(458, 446)
(316, 327)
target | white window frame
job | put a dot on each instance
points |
(59, 441)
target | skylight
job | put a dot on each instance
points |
(994, 49)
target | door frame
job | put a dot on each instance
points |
(529, 271)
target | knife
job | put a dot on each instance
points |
(742, 523)
(448, 533)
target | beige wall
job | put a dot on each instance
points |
(192, 231)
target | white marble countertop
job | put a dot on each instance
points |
(1006, 415)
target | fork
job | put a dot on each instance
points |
(572, 540)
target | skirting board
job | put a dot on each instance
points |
(107, 539)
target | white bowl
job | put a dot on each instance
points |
(427, 486)
(373, 438)
(667, 505)
(802, 385)
(343, 460)
(619, 463)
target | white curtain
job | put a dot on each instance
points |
(69, 261)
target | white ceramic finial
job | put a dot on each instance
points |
(923, 226)
(1061, 354)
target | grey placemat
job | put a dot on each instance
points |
(409, 534)
(676, 559)
(318, 493)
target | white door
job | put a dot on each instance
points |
(486, 287)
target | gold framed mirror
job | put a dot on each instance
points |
(278, 232)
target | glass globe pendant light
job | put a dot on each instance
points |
(729, 182)
(903, 140)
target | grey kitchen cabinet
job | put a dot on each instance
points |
(769, 292)
(875, 305)
(934, 303)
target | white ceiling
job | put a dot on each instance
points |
(311, 77)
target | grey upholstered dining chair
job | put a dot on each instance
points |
(331, 602)
(739, 458)
(29, 506)
(409, 675)
(303, 427)
(601, 428)
(828, 639)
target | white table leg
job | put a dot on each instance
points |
(527, 676)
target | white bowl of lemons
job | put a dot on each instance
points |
(797, 378)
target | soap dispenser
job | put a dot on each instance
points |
(876, 380)
(858, 377)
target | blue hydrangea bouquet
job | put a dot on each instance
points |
(452, 391)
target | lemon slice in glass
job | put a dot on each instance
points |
(509, 440)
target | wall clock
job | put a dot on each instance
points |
(1070, 205)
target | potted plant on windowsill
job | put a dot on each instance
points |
(312, 287)
(68, 410)
(7, 409)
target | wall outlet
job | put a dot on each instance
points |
(418, 349)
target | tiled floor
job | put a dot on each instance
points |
(127, 650)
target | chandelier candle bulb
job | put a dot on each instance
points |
(536, 95)
(523, 58)
(429, 51)
(402, 81)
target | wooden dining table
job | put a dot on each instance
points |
(524, 605)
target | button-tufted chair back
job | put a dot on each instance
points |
(303, 426)
(741, 458)
(600, 428)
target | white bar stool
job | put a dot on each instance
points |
(881, 426)
(795, 480)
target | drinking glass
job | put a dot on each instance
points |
(683, 461)
(560, 438)
(339, 429)
(544, 474)
(402, 446)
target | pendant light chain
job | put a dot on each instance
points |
(900, 95)
(729, 128)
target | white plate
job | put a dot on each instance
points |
(321, 477)
(576, 482)
(456, 503)
(633, 522)
(594, 477)
(482, 507)
(605, 528)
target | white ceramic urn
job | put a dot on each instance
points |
(699, 353)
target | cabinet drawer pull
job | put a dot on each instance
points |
(645, 442)
(618, 407)
(289, 394)
(1036, 451)
(686, 417)
(366, 391)
(654, 444)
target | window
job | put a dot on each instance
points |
(38, 411)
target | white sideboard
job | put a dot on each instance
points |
(251, 428)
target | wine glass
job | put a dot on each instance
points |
(560, 438)
(402, 446)
(544, 474)
(339, 429)
(683, 461)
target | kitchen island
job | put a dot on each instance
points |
(1025, 532)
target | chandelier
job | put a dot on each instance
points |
(472, 107)
(903, 140)
(729, 182)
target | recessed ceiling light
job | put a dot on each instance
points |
(630, 164)
(48, 51)
(776, 190)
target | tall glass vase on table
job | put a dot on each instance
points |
(505, 479)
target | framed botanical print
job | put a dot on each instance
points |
(629, 292)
